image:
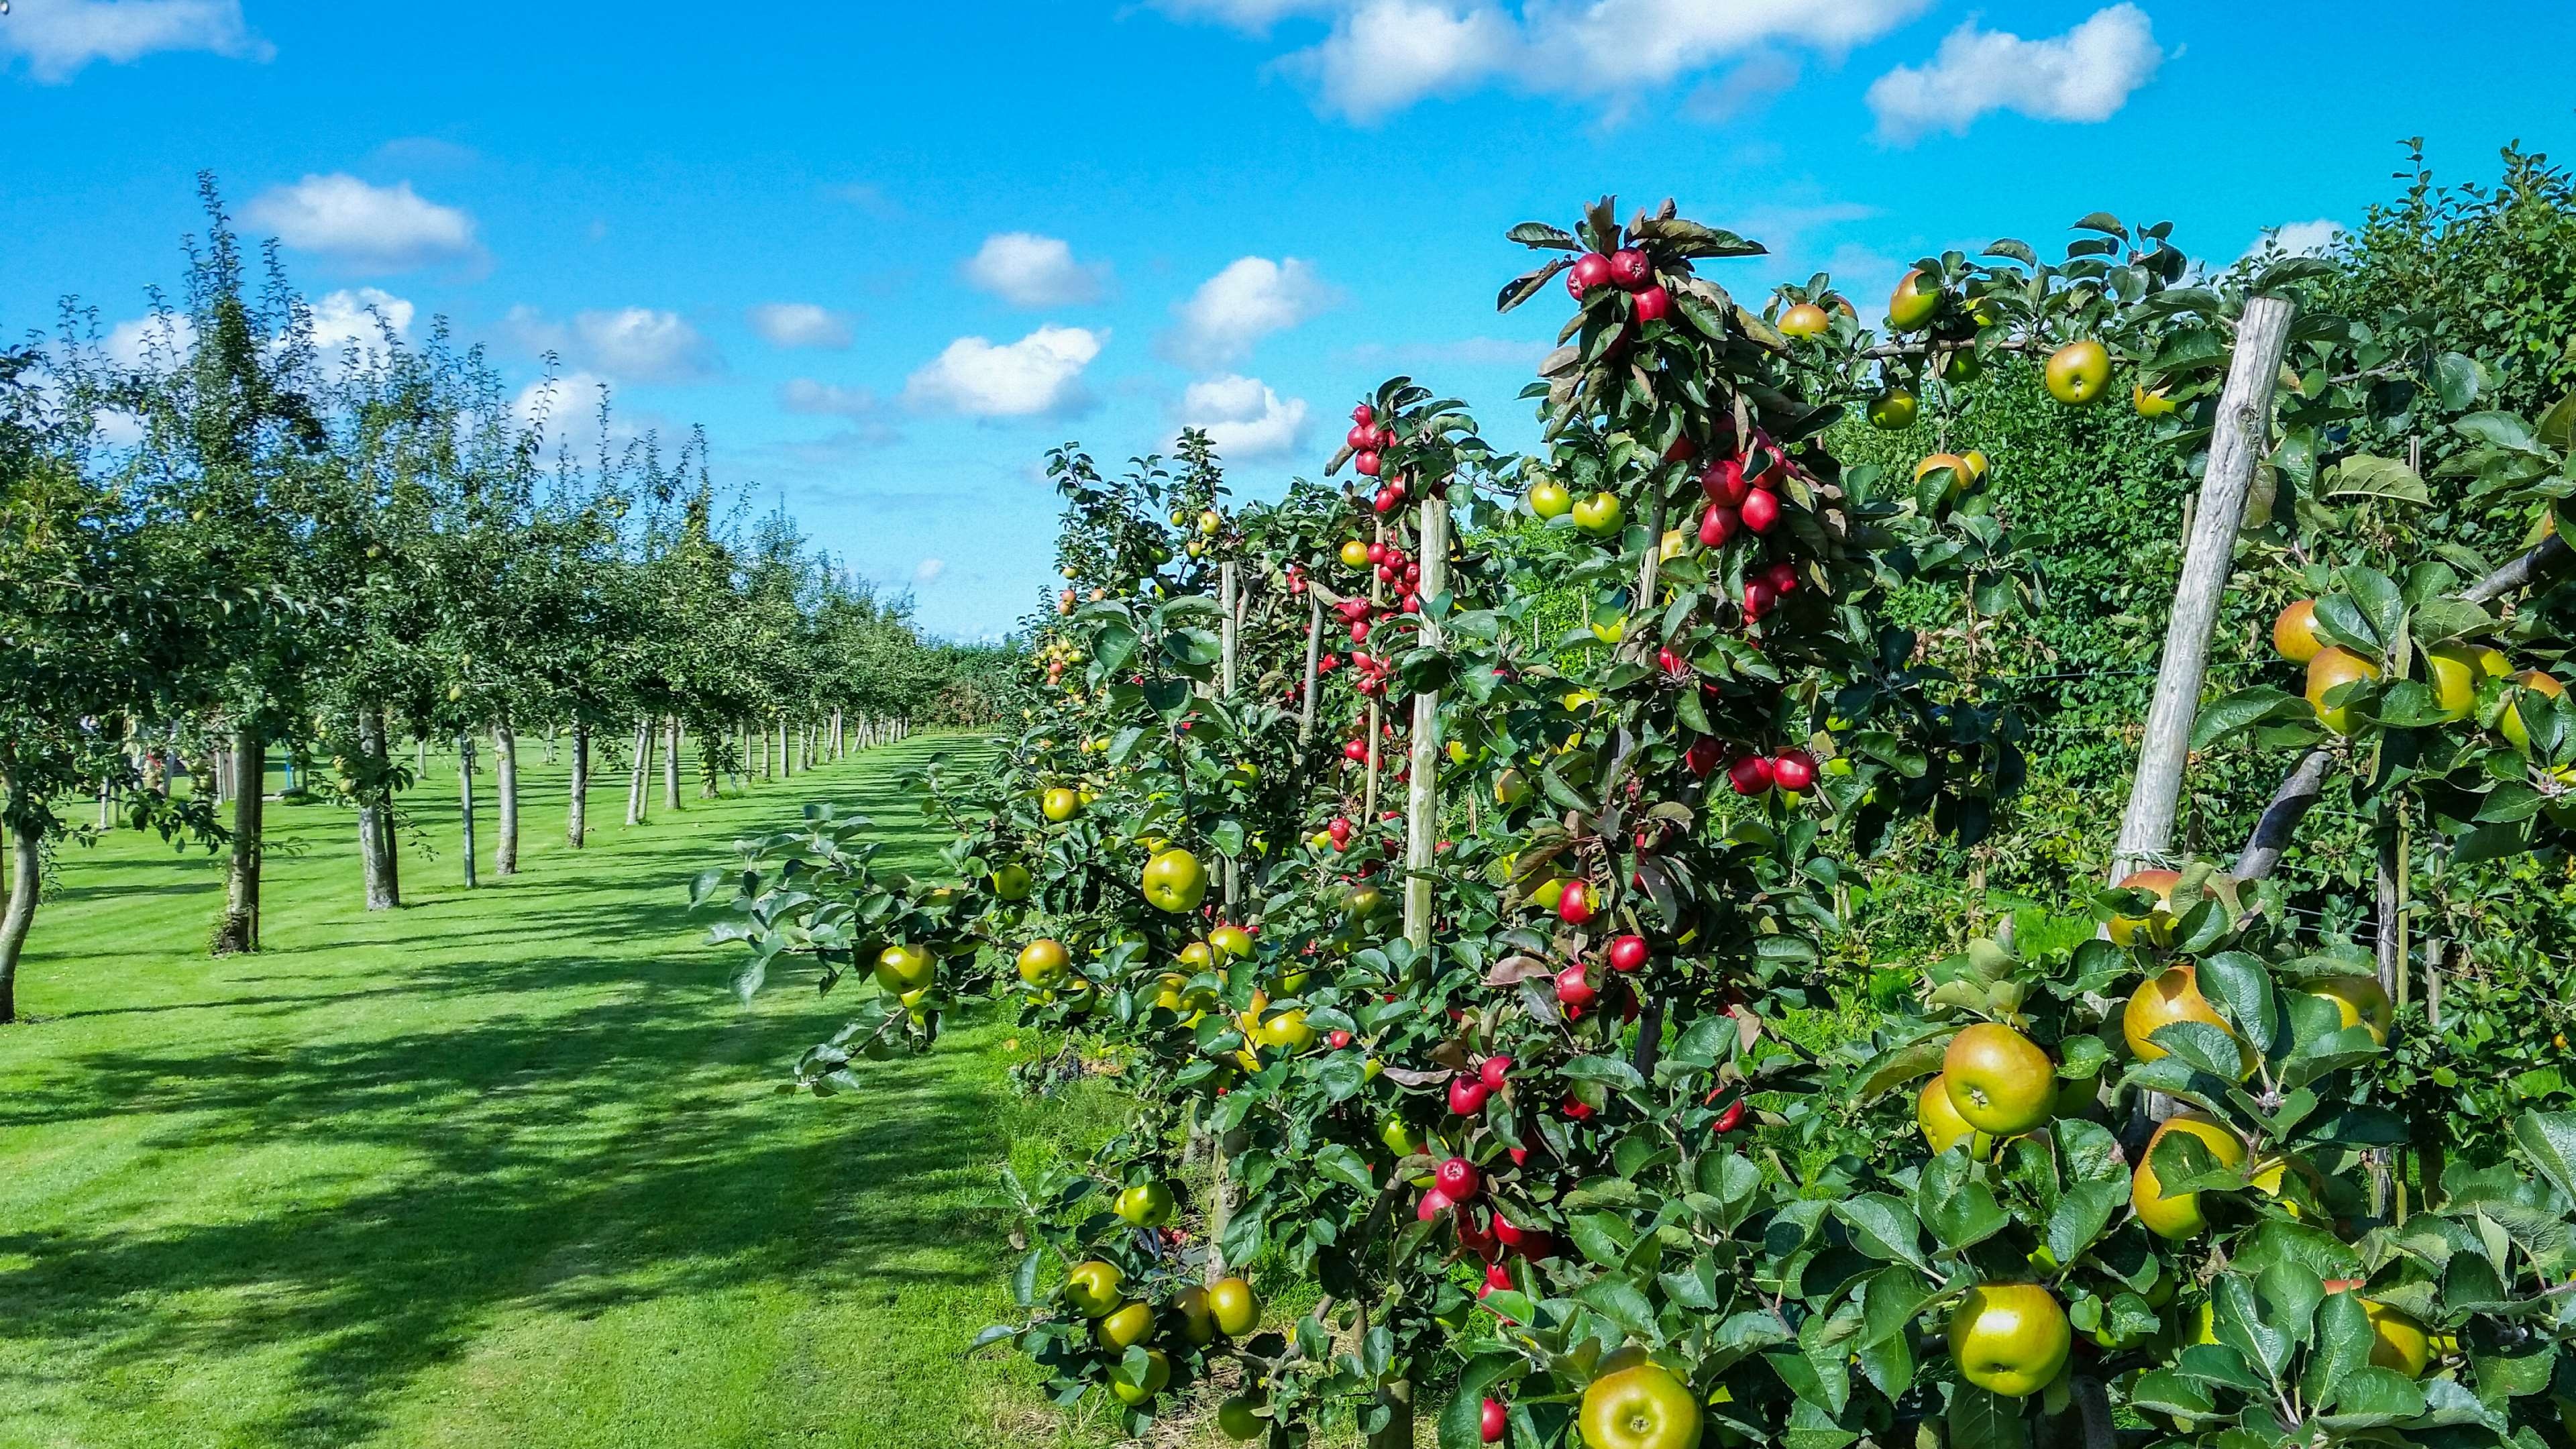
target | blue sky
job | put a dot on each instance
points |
(890, 254)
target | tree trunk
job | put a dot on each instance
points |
(505, 786)
(577, 817)
(26, 882)
(641, 776)
(239, 929)
(671, 768)
(465, 801)
(376, 859)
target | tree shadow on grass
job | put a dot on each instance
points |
(532, 1178)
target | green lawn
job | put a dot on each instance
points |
(502, 1168)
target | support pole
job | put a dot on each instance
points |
(1226, 598)
(2238, 444)
(1314, 657)
(1422, 792)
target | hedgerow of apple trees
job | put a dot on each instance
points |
(1545, 1145)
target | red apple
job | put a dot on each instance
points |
(1493, 1072)
(1627, 953)
(1577, 1109)
(1654, 304)
(1671, 663)
(1630, 268)
(1781, 576)
(1761, 509)
(1458, 1179)
(1574, 989)
(1493, 1421)
(1590, 270)
(1794, 771)
(1337, 1039)
(1363, 415)
(1575, 906)
(1759, 596)
(1367, 462)
(1702, 757)
(1358, 437)
(1750, 774)
(1433, 1204)
(1723, 482)
(1467, 1095)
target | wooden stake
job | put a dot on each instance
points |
(1314, 657)
(1422, 793)
(2238, 445)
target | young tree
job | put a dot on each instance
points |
(101, 619)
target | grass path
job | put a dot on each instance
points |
(502, 1168)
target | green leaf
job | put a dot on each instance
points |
(1883, 1227)
(1958, 1206)
(1345, 1166)
(2168, 1392)
(1980, 1420)
(2222, 719)
(2371, 1398)
(2342, 1344)
(2363, 476)
(1462, 1422)
(2549, 1140)
(2239, 986)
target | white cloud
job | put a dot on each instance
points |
(1253, 15)
(350, 317)
(1039, 374)
(630, 344)
(1381, 56)
(158, 341)
(1252, 298)
(1391, 53)
(564, 410)
(928, 570)
(1028, 270)
(805, 395)
(60, 37)
(1243, 417)
(2087, 74)
(801, 324)
(374, 228)
(2300, 238)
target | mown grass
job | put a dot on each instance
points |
(502, 1168)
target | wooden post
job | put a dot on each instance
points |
(1226, 599)
(1422, 793)
(2238, 444)
(1314, 657)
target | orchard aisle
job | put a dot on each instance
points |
(502, 1168)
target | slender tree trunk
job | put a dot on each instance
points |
(26, 882)
(376, 859)
(577, 815)
(768, 762)
(640, 780)
(671, 768)
(465, 802)
(786, 760)
(505, 787)
(239, 929)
